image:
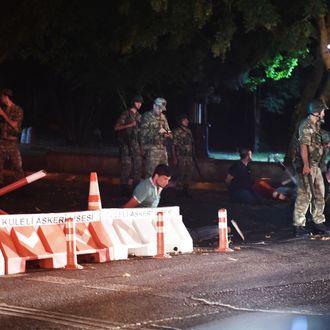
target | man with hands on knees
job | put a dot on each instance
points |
(147, 192)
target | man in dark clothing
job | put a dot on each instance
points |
(127, 127)
(239, 180)
(10, 129)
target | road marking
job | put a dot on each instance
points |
(245, 309)
(118, 287)
(58, 318)
(54, 279)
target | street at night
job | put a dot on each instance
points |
(270, 280)
(164, 164)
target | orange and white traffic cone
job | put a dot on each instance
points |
(71, 251)
(223, 232)
(94, 198)
(160, 238)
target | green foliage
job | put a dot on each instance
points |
(253, 82)
(106, 47)
(279, 93)
(260, 13)
(281, 67)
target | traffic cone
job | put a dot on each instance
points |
(223, 232)
(71, 250)
(94, 198)
(160, 238)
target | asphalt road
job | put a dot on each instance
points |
(269, 282)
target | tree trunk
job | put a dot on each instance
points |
(313, 88)
(256, 116)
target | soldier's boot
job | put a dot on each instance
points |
(322, 228)
(301, 232)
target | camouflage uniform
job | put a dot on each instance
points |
(9, 143)
(184, 144)
(129, 147)
(310, 135)
(154, 143)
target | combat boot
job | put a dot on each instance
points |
(322, 228)
(301, 232)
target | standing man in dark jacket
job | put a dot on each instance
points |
(127, 128)
(10, 129)
(182, 154)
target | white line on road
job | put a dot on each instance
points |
(58, 318)
(245, 309)
(118, 287)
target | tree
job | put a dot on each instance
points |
(97, 54)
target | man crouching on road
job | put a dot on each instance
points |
(147, 192)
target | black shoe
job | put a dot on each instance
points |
(301, 232)
(322, 228)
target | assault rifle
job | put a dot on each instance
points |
(287, 171)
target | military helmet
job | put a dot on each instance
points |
(161, 103)
(316, 106)
(181, 117)
(7, 92)
(137, 98)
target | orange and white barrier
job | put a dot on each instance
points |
(94, 198)
(105, 236)
(223, 232)
(137, 229)
(22, 182)
(70, 235)
(2, 264)
(57, 239)
(25, 237)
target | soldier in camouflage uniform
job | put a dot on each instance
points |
(10, 129)
(310, 151)
(154, 134)
(182, 153)
(127, 128)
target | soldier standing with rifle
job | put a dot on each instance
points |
(182, 154)
(307, 162)
(127, 128)
(155, 132)
(10, 129)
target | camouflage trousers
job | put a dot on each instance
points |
(131, 162)
(184, 172)
(155, 155)
(10, 150)
(304, 198)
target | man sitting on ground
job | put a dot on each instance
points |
(239, 180)
(147, 192)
